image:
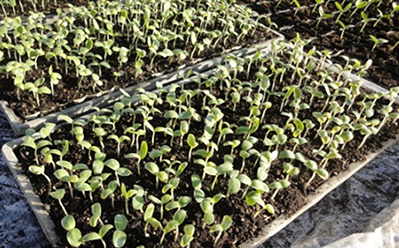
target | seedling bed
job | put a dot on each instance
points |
(245, 129)
(108, 45)
(47, 7)
(356, 30)
(102, 99)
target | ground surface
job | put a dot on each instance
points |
(348, 209)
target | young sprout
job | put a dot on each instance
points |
(233, 144)
(223, 169)
(37, 89)
(74, 235)
(54, 78)
(112, 186)
(96, 217)
(140, 156)
(321, 172)
(377, 41)
(159, 175)
(164, 200)
(171, 185)
(138, 199)
(170, 226)
(192, 143)
(179, 204)
(322, 16)
(127, 195)
(100, 133)
(40, 170)
(233, 184)
(344, 28)
(119, 236)
(222, 227)
(244, 154)
(118, 140)
(65, 176)
(365, 20)
(114, 165)
(342, 10)
(253, 198)
(179, 217)
(93, 236)
(159, 153)
(188, 236)
(59, 195)
(30, 142)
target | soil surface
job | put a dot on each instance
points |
(353, 44)
(245, 224)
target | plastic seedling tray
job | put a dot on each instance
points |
(269, 230)
(19, 126)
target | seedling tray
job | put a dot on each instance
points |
(106, 98)
(269, 230)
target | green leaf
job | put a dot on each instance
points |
(74, 236)
(58, 194)
(189, 229)
(98, 167)
(287, 154)
(137, 202)
(104, 230)
(152, 167)
(253, 198)
(244, 179)
(149, 211)
(226, 222)
(68, 222)
(65, 164)
(91, 237)
(155, 223)
(162, 176)
(120, 222)
(209, 218)
(170, 226)
(180, 216)
(123, 172)
(234, 186)
(246, 145)
(172, 205)
(285, 183)
(216, 228)
(36, 170)
(321, 172)
(44, 90)
(171, 114)
(259, 185)
(185, 240)
(119, 238)
(112, 163)
(60, 174)
(143, 150)
(210, 170)
(199, 195)
(275, 185)
(184, 201)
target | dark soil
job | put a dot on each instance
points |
(67, 90)
(244, 225)
(354, 44)
(50, 7)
